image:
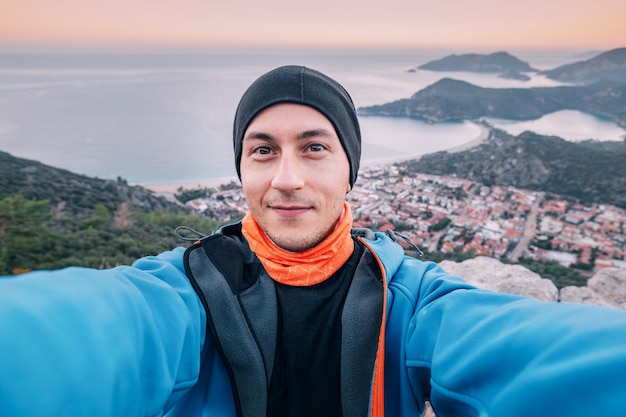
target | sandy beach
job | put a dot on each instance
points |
(189, 185)
(483, 135)
(216, 182)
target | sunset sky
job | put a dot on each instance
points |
(585, 24)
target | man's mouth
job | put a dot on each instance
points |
(290, 210)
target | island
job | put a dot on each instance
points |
(498, 62)
(610, 66)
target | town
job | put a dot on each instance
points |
(449, 214)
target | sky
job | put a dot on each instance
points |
(478, 24)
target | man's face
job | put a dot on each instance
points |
(295, 175)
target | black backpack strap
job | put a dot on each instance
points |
(361, 321)
(240, 304)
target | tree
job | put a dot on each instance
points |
(441, 224)
(22, 234)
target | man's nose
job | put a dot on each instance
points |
(288, 175)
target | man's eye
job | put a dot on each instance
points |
(316, 147)
(263, 150)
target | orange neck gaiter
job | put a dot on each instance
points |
(306, 268)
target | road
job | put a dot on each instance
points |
(529, 230)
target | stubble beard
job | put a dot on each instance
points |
(299, 244)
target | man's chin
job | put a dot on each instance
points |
(292, 244)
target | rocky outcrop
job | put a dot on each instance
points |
(583, 295)
(606, 288)
(610, 285)
(493, 275)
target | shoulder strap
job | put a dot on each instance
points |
(242, 324)
(361, 324)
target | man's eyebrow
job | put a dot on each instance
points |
(315, 133)
(303, 135)
(258, 135)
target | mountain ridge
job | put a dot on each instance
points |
(589, 171)
(35, 180)
(452, 100)
(609, 66)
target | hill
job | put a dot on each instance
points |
(72, 192)
(590, 171)
(452, 100)
(610, 65)
(498, 62)
(51, 218)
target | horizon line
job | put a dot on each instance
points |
(281, 48)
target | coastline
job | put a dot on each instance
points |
(173, 187)
(483, 135)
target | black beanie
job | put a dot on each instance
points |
(301, 85)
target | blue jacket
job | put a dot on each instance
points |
(130, 341)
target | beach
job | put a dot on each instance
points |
(189, 185)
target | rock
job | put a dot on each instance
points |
(610, 284)
(606, 288)
(583, 295)
(491, 274)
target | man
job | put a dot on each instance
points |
(290, 313)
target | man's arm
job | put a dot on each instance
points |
(493, 354)
(78, 341)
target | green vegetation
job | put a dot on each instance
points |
(32, 238)
(441, 224)
(52, 218)
(589, 172)
(559, 275)
(455, 256)
(185, 195)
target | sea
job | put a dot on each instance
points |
(166, 117)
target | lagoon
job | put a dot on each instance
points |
(572, 125)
